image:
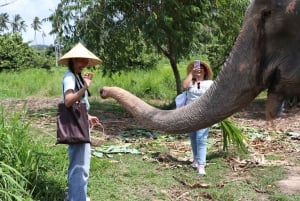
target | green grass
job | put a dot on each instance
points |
(140, 177)
(47, 83)
(42, 167)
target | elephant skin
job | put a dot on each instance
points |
(265, 56)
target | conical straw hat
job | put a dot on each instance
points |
(79, 51)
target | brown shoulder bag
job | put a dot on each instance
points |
(72, 124)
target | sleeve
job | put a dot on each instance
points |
(69, 82)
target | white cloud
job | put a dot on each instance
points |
(28, 10)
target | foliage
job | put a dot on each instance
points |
(120, 48)
(157, 179)
(123, 32)
(12, 187)
(25, 163)
(36, 25)
(4, 19)
(232, 135)
(16, 157)
(16, 55)
(18, 24)
(225, 22)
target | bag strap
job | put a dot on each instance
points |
(78, 84)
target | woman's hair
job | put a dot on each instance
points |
(71, 68)
(208, 72)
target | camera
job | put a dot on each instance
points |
(196, 64)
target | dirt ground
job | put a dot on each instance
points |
(287, 123)
(278, 140)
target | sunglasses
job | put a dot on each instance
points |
(200, 68)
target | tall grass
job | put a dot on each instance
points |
(15, 156)
(28, 83)
(27, 170)
(12, 184)
(158, 83)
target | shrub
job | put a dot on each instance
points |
(16, 55)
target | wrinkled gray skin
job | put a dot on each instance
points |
(266, 55)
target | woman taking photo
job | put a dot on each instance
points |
(198, 80)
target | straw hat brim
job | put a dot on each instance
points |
(79, 51)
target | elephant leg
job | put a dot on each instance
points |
(274, 104)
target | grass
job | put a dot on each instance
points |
(124, 177)
(141, 177)
(47, 83)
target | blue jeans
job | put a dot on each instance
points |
(198, 143)
(78, 172)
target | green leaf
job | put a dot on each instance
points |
(232, 134)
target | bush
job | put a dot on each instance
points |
(15, 55)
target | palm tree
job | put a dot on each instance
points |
(18, 24)
(57, 20)
(4, 20)
(43, 36)
(36, 25)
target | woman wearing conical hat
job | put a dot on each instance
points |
(75, 88)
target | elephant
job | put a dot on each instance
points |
(265, 56)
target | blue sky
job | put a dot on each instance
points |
(28, 10)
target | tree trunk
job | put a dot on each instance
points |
(176, 74)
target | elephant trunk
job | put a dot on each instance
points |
(219, 102)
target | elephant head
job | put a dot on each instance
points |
(266, 55)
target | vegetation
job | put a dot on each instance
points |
(138, 42)
(34, 169)
(18, 162)
(123, 32)
(17, 55)
(17, 24)
(131, 35)
(36, 25)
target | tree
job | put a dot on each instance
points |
(14, 54)
(17, 55)
(225, 22)
(43, 36)
(120, 49)
(18, 24)
(4, 20)
(36, 25)
(126, 33)
(57, 20)
(170, 26)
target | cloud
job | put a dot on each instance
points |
(28, 10)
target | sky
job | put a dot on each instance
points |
(28, 10)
